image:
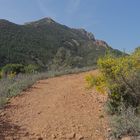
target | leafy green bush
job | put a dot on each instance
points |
(13, 68)
(31, 69)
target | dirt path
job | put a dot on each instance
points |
(55, 109)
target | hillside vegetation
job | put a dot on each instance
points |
(49, 45)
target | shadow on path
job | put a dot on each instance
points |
(9, 130)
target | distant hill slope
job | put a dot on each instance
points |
(49, 45)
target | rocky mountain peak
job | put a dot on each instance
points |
(46, 20)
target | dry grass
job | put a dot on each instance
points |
(127, 122)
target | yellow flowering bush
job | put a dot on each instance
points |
(119, 78)
(99, 81)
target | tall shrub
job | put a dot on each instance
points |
(120, 79)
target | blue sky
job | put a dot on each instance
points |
(115, 21)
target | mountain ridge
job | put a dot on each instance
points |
(49, 44)
(49, 20)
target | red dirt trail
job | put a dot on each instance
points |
(59, 108)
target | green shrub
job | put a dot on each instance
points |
(126, 123)
(12, 68)
(31, 69)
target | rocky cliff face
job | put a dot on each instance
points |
(101, 43)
